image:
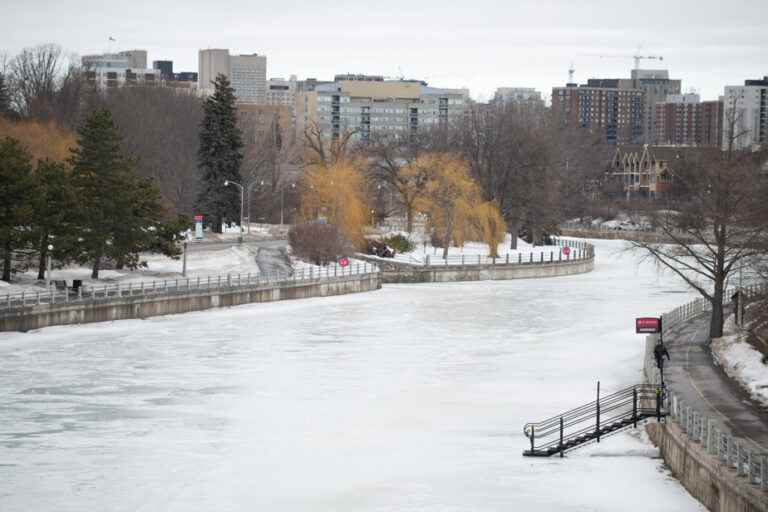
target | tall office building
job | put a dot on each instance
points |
(366, 107)
(211, 63)
(746, 108)
(281, 91)
(656, 85)
(611, 106)
(247, 73)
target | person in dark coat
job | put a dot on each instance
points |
(659, 353)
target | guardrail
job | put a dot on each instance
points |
(184, 285)
(711, 433)
(579, 250)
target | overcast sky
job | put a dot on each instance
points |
(479, 44)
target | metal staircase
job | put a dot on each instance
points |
(590, 422)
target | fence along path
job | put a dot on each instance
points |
(708, 427)
(184, 285)
(579, 250)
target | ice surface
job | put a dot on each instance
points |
(411, 398)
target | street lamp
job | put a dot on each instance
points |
(242, 201)
(48, 264)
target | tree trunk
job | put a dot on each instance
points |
(7, 262)
(120, 264)
(42, 264)
(96, 265)
(514, 229)
(409, 218)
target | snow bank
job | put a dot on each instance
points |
(742, 362)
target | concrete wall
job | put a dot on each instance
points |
(394, 272)
(707, 479)
(145, 306)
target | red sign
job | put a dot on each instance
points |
(647, 325)
(566, 250)
(344, 262)
(198, 218)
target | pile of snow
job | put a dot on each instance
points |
(742, 362)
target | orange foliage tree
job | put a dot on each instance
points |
(336, 193)
(454, 203)
(42, 139)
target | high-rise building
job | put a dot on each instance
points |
(247, 73)
(607, 105)
(211, 63)
(366, 107)
(137, 59)
(656, 85)
(684, 120)
(165, 67)
(745, 114)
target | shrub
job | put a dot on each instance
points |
(318, 243)
(399, 243)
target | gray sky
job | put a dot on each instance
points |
(478, 44)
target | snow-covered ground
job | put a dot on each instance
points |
(410, 398)
(203, 260)
(742, 362)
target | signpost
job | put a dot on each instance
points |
(198, 227)
(648, 325)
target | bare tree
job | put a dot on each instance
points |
(718, 221)
(34, 74)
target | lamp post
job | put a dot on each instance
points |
(242, 201)
(48, 265)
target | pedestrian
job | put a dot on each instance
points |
(659, 352)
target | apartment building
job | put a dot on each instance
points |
(684, 120)
(365, 107)
(282, 92)
(610, 106)
(746, 108)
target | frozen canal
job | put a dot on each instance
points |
(411, 398)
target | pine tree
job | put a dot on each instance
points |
(219, 157)
(53, 202)
(15, 195)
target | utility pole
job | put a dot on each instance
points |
(242, 203)
(184, 260)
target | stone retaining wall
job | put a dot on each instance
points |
(395, 272)
(145, 306)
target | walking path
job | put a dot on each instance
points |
(693, 376)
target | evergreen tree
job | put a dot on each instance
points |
(5, 98)
(53, 203)
(219, 157)
(118, 211)
(15, 195)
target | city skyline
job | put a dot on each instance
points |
(480, 47)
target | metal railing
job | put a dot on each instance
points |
(713, 435)
(578, 250)
(89, 293)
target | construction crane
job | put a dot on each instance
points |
(637, 58)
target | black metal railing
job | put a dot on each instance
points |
(590, 422)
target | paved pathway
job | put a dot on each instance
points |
(692, 375)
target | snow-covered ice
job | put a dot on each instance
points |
(408, 398)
